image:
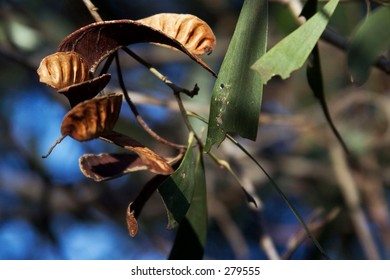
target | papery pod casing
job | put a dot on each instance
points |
(92, 118)
(192, 32)
(63, 69)
(98, 40)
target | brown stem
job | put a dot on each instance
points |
(93, 10)
(176, 91)
(134, 109)
(58, 141)
(164, 79)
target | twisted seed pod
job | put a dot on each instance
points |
(92, 118)
(63, 69)
(192, 32)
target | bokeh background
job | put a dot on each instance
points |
(48, 210)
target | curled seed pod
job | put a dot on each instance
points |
(192, 32)
(63, 69)
(92, 118)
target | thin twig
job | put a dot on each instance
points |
(228, 228)
(164, 79)
(134, 109)
(176, 92)
(314, 225)
(186, 120)
(93, 10)
(351, 195)
(58, 141)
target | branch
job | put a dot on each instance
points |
(134, 109)
(93, 10)
(351, 195)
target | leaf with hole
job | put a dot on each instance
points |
(97, 41)
(192, 32)
(236, 101)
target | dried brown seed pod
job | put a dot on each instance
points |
(153, 161)
(63, 69)
(112, 35)
(192, 32)
(92, 118)
(132, 224)
(106, 166)
(86, 90)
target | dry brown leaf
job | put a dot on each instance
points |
(192, 32)
(132, 224)
(63, 69)
(154, 162)
(92, 118)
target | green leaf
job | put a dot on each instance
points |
(237, 94)
(184, 194)
(178, 189)
(291, 53)
(192, 232)
(371, 37)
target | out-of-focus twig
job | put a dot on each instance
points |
(373, 193)
(228, 228)
(314, 225)
(350, 193)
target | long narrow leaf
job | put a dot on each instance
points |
(191, 235)
(237, 94)
(291, 53)
(178, 190)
